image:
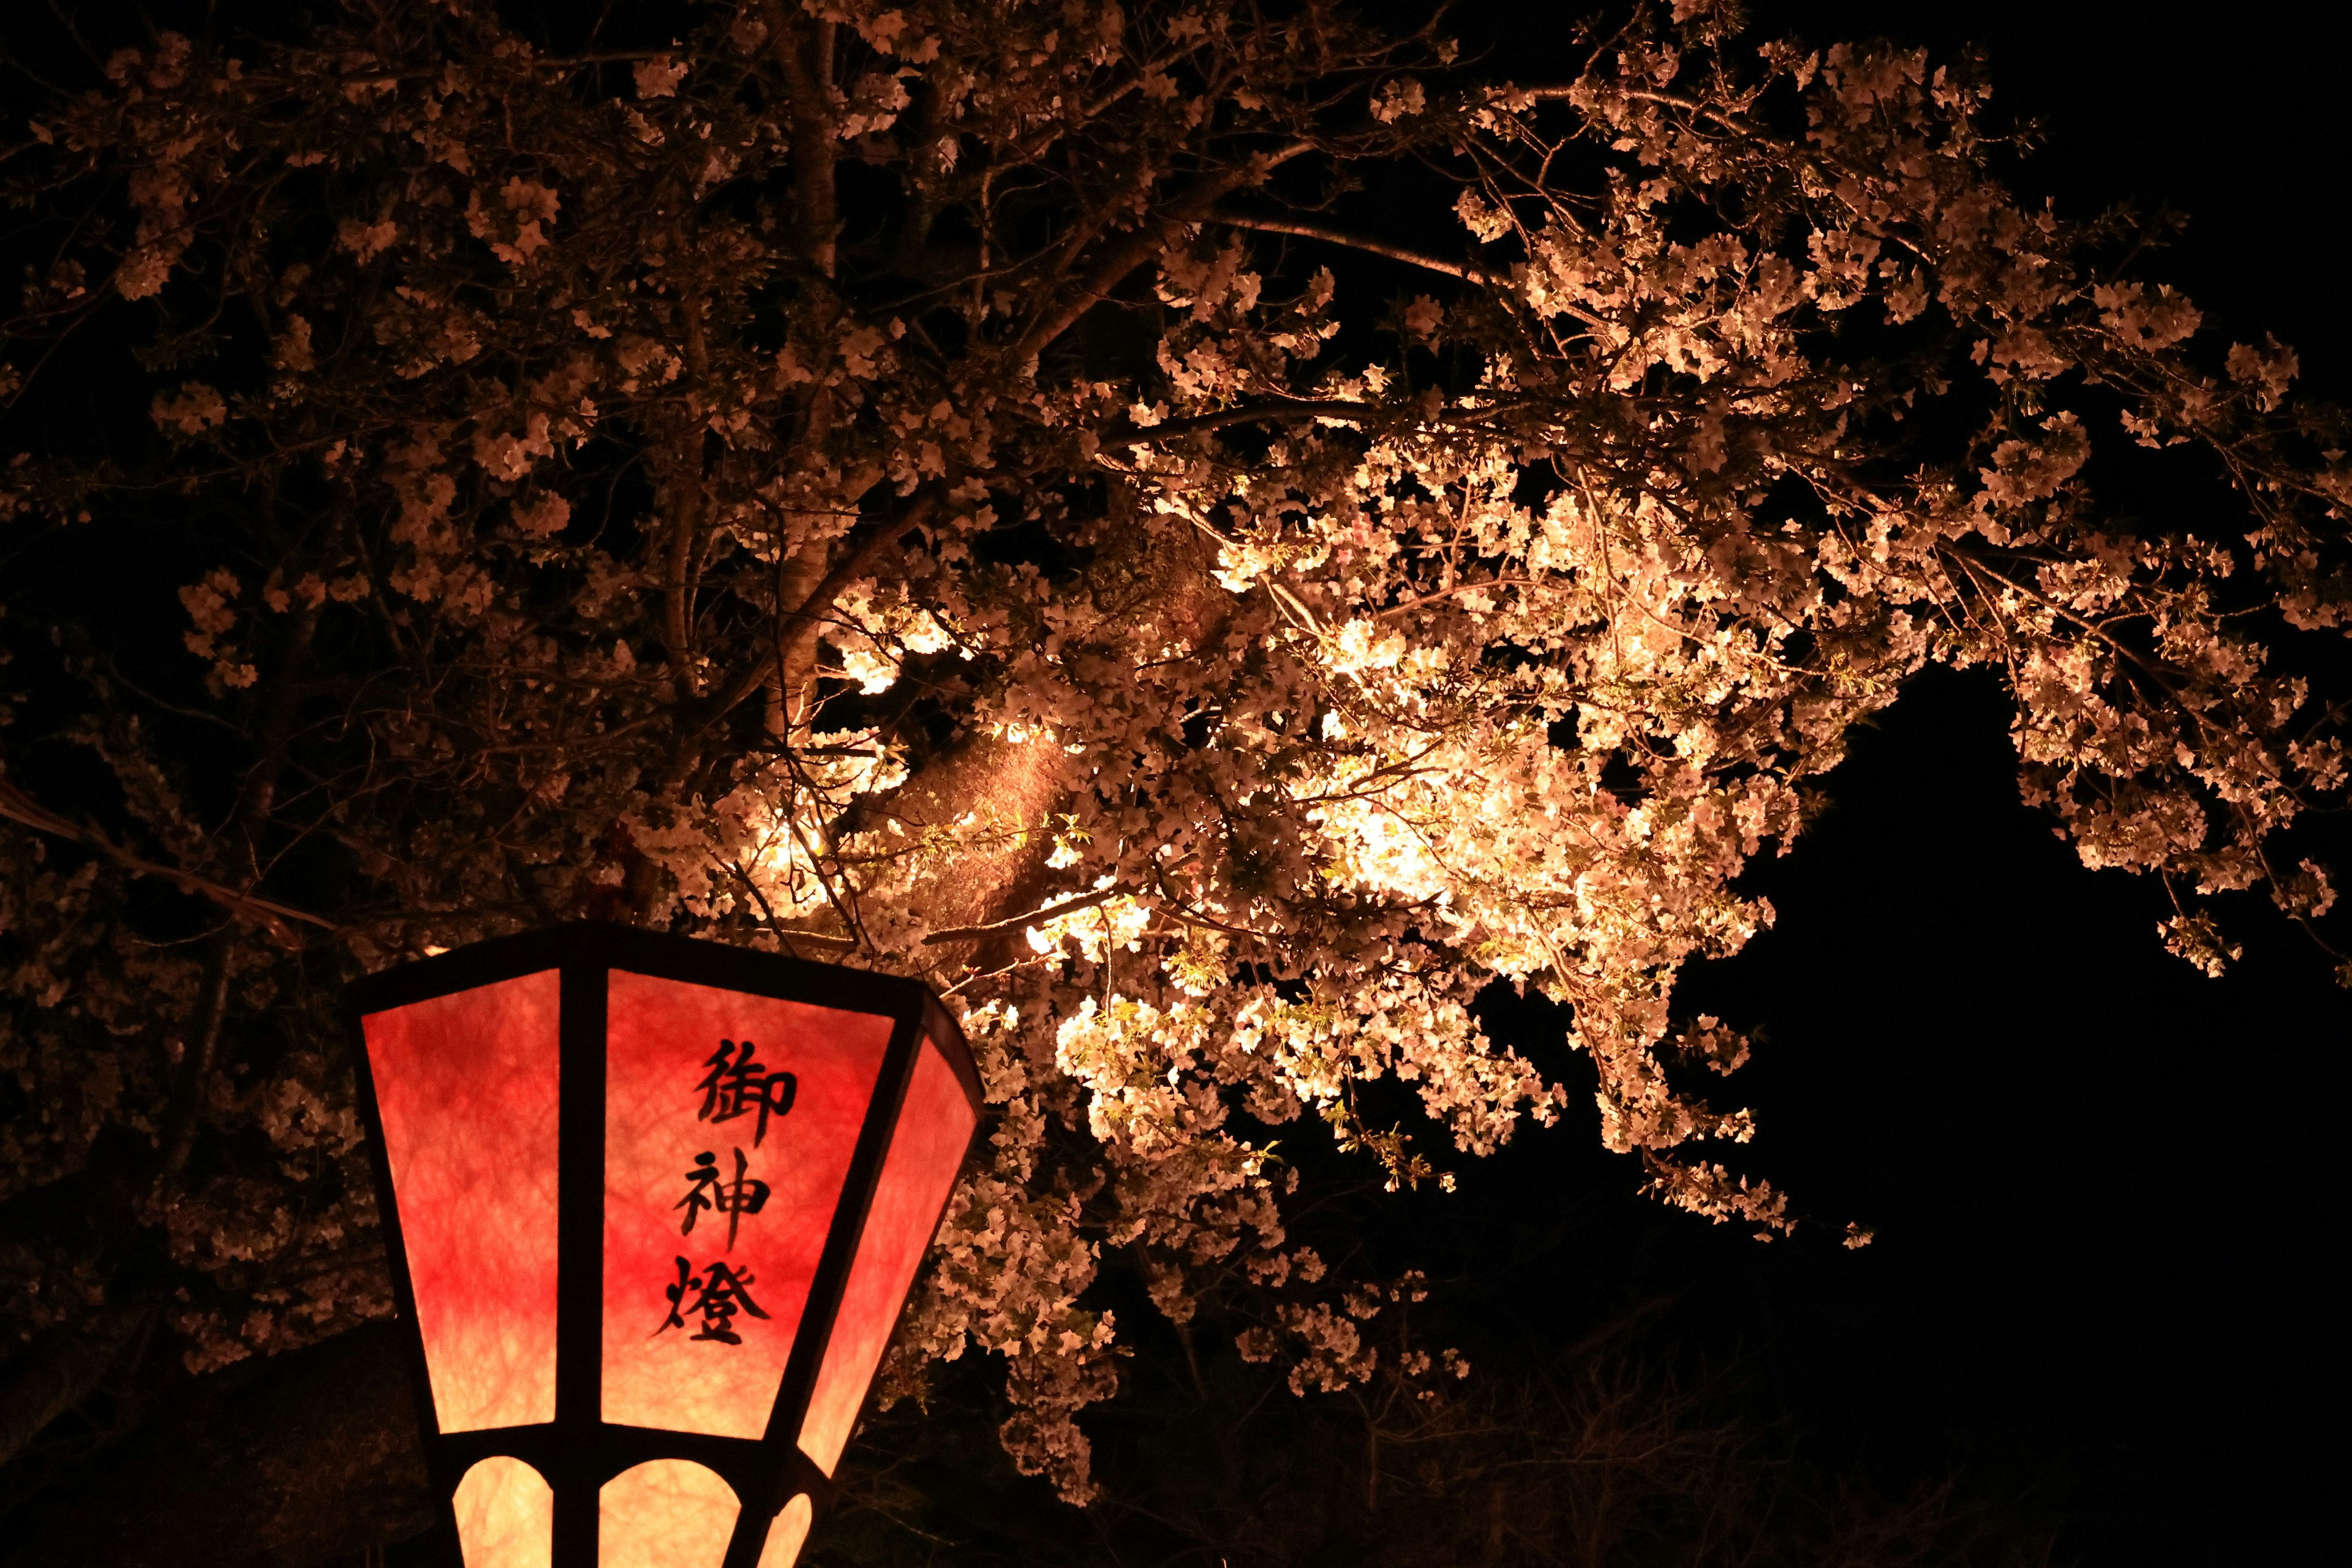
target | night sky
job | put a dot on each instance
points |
(2105, 1188)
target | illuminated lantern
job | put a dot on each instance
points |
(653, 1207)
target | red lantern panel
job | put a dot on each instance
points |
(466, 1087)
(730, 1123)
(925, 1150)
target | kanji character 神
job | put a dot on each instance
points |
(734, 1199)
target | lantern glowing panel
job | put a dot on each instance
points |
(728, 1125)
(656, 1207)
(664, 1510)
(934, 1129)
(506, 1515)
(468, 1088)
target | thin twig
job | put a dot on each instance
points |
(18, 806)
(1067, 906)
(1463, 271)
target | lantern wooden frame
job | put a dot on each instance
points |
(578, 1451)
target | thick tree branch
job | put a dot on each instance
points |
(804, 48)
(801, 624)
(1150, 591)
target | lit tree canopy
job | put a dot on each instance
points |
(1212, 533)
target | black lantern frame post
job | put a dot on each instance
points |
(579, 1451)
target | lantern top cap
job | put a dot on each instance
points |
(600, 945)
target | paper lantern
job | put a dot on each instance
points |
(653, 1207)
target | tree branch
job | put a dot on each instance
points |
(1146, 242)
(805, 49)
(1066, 907)
(1463, 271)
(271, 916)
(800, 625)
(1248, 413)
(1126, 433)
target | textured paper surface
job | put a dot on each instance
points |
(663, 1513)
(787, 1536)
(662, 1037)
(468, 1089)
(926, 1149)
(505, 1516)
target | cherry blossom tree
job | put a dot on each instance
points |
(1213, 534)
